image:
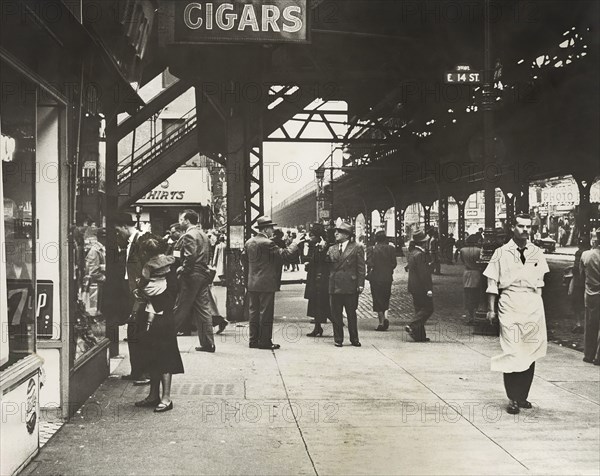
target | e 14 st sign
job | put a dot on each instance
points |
(238, 21)
(462, 75)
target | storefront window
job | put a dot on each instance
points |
(89, 239)
(18, 151)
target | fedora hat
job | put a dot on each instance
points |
(345, 228)
(419, 236)
(264, 221)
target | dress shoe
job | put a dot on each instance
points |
(380, 328)
(222, 326)
(162, 407)
(147, 402)
(140, 382)
(270, 347)
(588, 361)
(129, 377)
(524, 404)
(338, 344)
(206, 349)
(386, 324)
(315, 333)
(512, 407)
(596, 361)
(253, 345)
(356, 344)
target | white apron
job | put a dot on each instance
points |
(523, 336)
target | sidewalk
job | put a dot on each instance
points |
(390, 407)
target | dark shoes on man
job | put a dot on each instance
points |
(222, 325)
(412, 334)
(383, 327)
(206, 349)
(271, 346)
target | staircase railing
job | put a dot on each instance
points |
(153, 148)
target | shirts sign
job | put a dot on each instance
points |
(237, 21)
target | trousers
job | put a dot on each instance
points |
(591, 339)
(517, 384)
(193, 300)
(338, 303)
(423, 311)
(261, 306)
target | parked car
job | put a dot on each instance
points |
(547, 244)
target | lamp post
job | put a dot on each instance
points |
(138, 212)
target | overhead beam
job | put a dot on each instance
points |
(158, 102)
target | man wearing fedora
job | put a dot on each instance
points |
(420, 287)
(263, 260)
(346, 282)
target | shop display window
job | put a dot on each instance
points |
(18, 152)
(89, 240)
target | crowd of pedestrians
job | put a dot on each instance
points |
(168, 280)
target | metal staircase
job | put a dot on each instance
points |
(155, 160)
(158, 158)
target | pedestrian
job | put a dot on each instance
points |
(159, 353)
(515, 277)
(129, 238)
(218, 261)
(346, 282)
(194, 276)
(294, 263)
(450, 242)
(433, 250)
(263, 260)
(590, 267)
(577, 287)
(381, 262)
(420, 286)
(469, 255)
(317, 279)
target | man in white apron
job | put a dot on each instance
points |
(516, 274)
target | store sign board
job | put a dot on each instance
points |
(19, 303)
(186, 186)
(236, 21)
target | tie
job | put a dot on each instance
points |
(341, 249)
(522, 253)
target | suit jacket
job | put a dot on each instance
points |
(347, 270)
(381, 261)
(419, 272)
(263, 259)
(195, 251)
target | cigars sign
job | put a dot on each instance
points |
(236, 21)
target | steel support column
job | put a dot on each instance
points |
(113, 271)
(427, 216)
(255, 202)
(582, 219)
(399, 227)
(461, 219)
(443, 216)
(510, 199)
(237, 168)
(522, 199)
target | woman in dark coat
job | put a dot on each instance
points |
(159, 353)
(317, 279)
(381, 261)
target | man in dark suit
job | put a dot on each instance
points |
(263, 260)
(128, 237)
(194, 278)
(420, 286)
(346, 282)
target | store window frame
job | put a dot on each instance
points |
(49, 93)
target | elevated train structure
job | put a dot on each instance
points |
(443, 100)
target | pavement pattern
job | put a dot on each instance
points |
(390, 407)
